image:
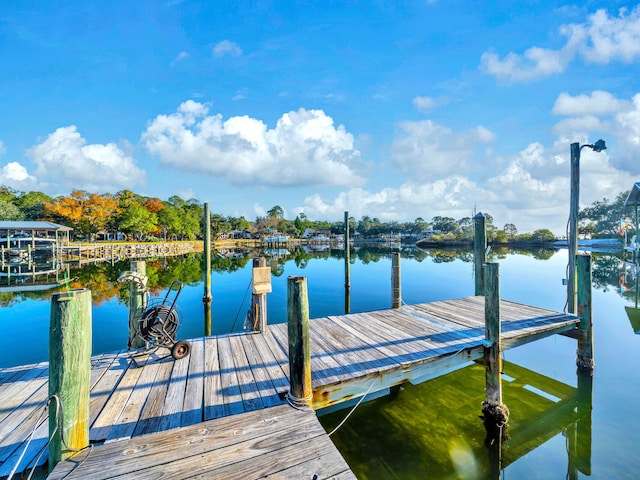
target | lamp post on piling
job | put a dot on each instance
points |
(572, 240)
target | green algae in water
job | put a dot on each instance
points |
(434, 429)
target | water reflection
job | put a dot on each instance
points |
(609, 271)
(433, 429)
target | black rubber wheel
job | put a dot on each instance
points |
(180, 349)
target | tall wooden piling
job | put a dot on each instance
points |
(69, 373)
(137, 302)
(300, 393)
(396, 284)
(493, 409)
(479, 251)
(584, 354)
(206, 297)
(347, 265)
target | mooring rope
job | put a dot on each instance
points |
(300, 403)
(241, 304)
(355, 406)
(59, 426)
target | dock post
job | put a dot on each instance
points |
(495, 412)
(206, 298)
(260, 286)
(584, 353)
(69, 373)
(137, 302)
(347, 265)
(479, 251)
(300, 392)
(396, 284)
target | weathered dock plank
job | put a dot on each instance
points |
(231, 376)
(194, 398)
(249, 445)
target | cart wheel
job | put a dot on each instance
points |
(180, 349)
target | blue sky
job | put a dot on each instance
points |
(395, 110)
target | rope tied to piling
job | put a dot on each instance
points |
(59, 412)
(300, 403)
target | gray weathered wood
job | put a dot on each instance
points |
(396, 282)
(479, 251)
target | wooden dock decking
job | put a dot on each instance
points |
(229, 375)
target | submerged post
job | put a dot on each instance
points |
(494, 411)
(69, 373)
(300, 393)
(206, 297)
(396, 285)
(479, 251)
(584, 354)
(137, 301)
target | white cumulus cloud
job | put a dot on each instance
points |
(304, 148)
(227, 47)
(597, 103)
(67, 161)
(15, 175)
(427, 150)
(601, 39)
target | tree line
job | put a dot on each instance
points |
(140, 217)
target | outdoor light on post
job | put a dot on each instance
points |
(572, 240)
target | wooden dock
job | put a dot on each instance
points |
(225, 378)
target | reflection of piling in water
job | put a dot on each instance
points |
(206, 297)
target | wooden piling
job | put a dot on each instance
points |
(347, 265)
(584, 353)
(493, 409)
(396, 286)
(206, 297)
(69, 373)
(137, 302)
(300, 393)
(260, 286)
(479, 251)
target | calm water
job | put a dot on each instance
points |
(560, 426)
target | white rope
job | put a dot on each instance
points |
(300, 403)
(59, 422)
(355, 406)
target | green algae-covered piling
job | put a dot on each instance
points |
(584, 353)
(137, 302)
(69, 373)
(300, 392)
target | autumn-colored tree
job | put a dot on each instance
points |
(154, 204)
(87, 213)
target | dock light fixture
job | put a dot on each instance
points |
(572, 235)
